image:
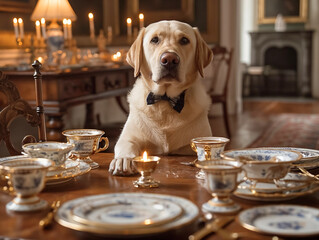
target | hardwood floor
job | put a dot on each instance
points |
(256, 117)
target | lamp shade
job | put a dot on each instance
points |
(53, 10)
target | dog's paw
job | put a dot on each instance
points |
(122, 167)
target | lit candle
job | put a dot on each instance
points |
(129, 27)
(145, 159)
(69, 28)
(15, 26)
(40, 59)
(21, 28)
(65, 28)
(38, 29)
(43, 27)
(91, 19)
(141, 17)
(114, 58)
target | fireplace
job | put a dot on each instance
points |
(287, 56)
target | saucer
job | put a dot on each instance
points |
(268, 187)
(69, 165)
(282, 220)
(67, 175)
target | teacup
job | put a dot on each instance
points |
(86, 143)
(221, 180)
(58, 152)
(208, 148)
(264, 164)
(26, 178)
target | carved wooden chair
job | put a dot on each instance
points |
(221, 68)
(15, 107)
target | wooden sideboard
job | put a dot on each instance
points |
(66, 88)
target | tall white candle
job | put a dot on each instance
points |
(43, 27)
(91, 20)
(21, 28)
(129, 27)
(37, 29)
(141, 17)
(65, 28)
(15, 26)
(69, 28)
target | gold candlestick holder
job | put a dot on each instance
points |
(146, 167)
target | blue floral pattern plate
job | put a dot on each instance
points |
(65, 215)
(282, 220)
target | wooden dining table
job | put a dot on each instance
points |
(175, 179)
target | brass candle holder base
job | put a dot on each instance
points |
(145, 168)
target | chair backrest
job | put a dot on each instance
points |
(13, 107)
(220, 70)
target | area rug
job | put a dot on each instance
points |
(291, 130)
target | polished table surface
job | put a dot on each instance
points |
(175, 179)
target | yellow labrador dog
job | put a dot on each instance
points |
(168, 104)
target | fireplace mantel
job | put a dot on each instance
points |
(301, 41)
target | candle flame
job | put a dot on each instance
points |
(91, 15)
(65, 21)
(145, 156)
(37, 23)
(40, 59)
(69, 22)
(42, 20)
(15, 20)
(20, 20)
(141, 16)
(129, 20)
(118, 54)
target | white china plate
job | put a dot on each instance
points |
(310, 157)
(286, 195)
(129, 213)
(64, 215)
(263, 187)
(67, 175)
(282, 220)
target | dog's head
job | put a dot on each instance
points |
(169, 55)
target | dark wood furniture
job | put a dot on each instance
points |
(176, 179)
(15, 107)
(70, 87)
(221, 76)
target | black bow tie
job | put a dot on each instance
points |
(177, 103)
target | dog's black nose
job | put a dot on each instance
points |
(169, 60)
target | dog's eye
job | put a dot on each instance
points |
(155, 40)
(184, 41)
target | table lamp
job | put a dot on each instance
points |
(53, 10)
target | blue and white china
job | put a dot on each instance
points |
(65, 217)
(26, 178)
(246, 193)
(86, 143)
(310, 157)
(264, 164)
(208, 148)
(282, 220)
(131, 212)
(68, 174)
(221, 181)
(69, 165)
(58, 152)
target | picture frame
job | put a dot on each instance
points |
(293, 11)
(17, 6)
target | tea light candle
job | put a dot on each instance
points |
(65, 29)
(21, 28)
(69, 28)
(91, 20)
(38, 29)
(129, 27)
(15, 26)
(141, 17)
(43, 27)
(116, 57)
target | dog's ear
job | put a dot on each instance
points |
(203, 54)
(134, 56)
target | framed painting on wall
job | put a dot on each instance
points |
(18, 6)
(293, 11)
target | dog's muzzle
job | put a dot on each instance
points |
(169, 63)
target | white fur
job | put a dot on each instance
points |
(158, 128)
